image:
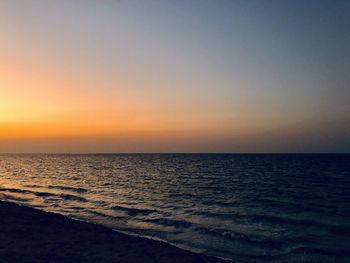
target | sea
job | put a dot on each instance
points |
(245, 207)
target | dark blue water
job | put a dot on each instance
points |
(250, 208)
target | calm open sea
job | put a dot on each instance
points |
(250, 208)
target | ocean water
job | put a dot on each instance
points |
(249, 208)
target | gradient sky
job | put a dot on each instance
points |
(174, 76)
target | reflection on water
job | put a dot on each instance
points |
(251, 208)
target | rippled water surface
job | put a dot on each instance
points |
(250, 208)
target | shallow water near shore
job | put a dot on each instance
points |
(249, 208)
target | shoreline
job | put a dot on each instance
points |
(31, 235)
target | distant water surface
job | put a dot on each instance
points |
(250, 208)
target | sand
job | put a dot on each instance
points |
(30, 235)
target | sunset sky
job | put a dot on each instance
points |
(174, 76)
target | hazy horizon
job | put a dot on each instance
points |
(179, 76)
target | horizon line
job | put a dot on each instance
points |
(159, 153)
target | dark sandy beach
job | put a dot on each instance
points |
(30, 235)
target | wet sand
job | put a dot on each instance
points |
(30, 235)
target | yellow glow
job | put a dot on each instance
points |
(44, 109)
(37, 104)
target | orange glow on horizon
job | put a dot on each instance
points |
(46, 104)
(40, 104)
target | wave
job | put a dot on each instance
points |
(297, 207)
(67, 188)
(133, 211)
(276, 219)
(221, 203)
(318, 251)
(251, 239)
(73, 197)
(227, 216)
(13, 198)
(44, 194)
(170, 222)
(14, 190)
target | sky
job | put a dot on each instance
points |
(174, 76)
